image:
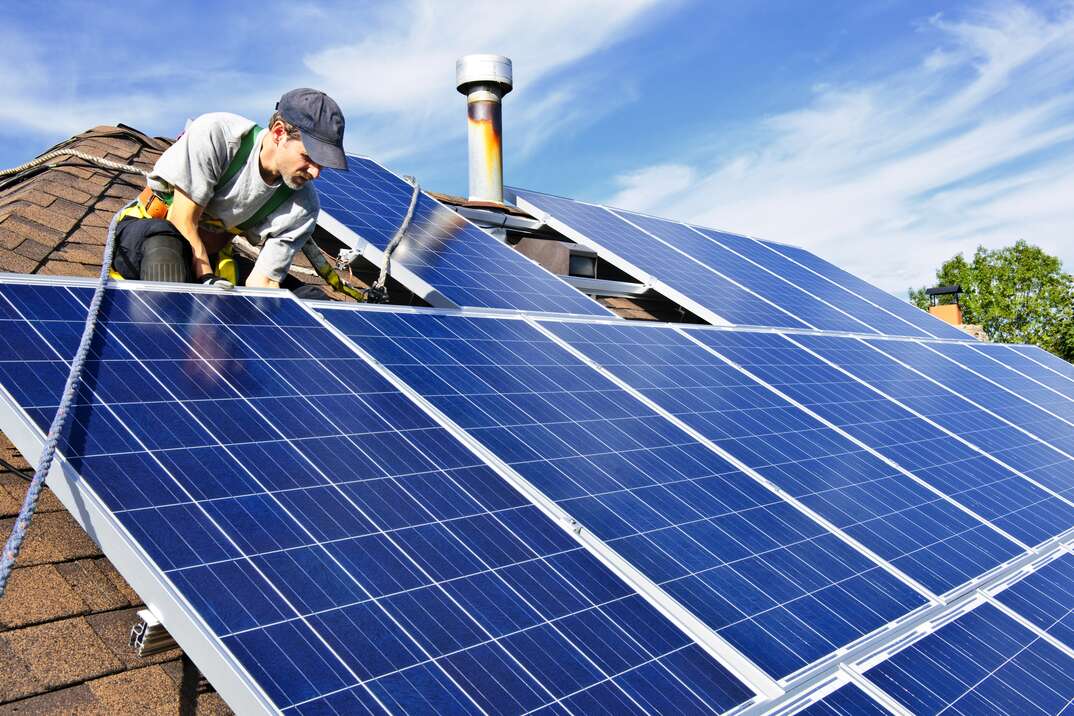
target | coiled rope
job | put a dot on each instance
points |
(33, 493)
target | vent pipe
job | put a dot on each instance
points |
(485, 79)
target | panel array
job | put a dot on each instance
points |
(699, 288)
(1014, 383)
(992, 434)
(1046, 598)
(1023, 510)
(733, 277)
(466, 265)
(700, 246)
(1019, 358)
(346, 551)
(882, 299)
(777, 585)
(984, 662)
(823, 288)
(916, 530)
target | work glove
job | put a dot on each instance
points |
(329, 274)
(216, 282)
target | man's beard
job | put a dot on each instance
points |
(295, 182)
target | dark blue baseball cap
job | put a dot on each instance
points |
(319, 118)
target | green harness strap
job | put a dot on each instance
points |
(278, 197)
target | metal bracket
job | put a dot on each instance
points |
(148, 636)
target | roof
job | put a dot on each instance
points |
(67, 613)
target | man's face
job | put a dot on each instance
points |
(294, 164)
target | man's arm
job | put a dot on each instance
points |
(185, 215)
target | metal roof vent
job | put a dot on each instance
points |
(485, 79)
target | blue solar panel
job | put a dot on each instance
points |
(920, 533)
(342, 547)
(1046, 598)
(878, 318)
(847, 700)
(1002, 369)
(1020, 508)
(465, 264)
(775, 584)
(930, 324)
(631, 249)
(1037, 363)
(984, 662)
(1030, 456)
(702, 247)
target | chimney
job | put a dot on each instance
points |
(950, 312)
(484, 79)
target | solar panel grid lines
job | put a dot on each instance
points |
(702, 246)
(715, 645)
(1048, 459)
(693, 286)
(639, 682)
(976, 660)
(444, 258)
(1016, 359)
(1012, 543)
(849, 699)
(880, 319)
(736, 460)
(479, 559)
(911, 314)
(16, 313)
(1009, 378)
(693, 245)
(1011, 494)
(602, 510)
(1044, 358)
(1044, 600)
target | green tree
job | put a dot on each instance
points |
(1019, 294)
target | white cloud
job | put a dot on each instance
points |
(889, 178)
(391, 65)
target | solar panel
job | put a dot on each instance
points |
(883, 321)
(1046, 359)
(1002, 439)
(699, 245)
(984, 662)
(1036, 363)
(847, 700)
(775, 584)
(1046, 598)
(1011, 380)
(882, 299)
(686, 281)
(1020, 508)
(311, 537)
(728, 278)
(444, 258)
(917, 531)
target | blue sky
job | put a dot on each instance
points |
(886, 136)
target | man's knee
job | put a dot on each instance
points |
(152, 250)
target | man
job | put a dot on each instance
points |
(226, 176)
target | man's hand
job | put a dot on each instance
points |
(185, 215)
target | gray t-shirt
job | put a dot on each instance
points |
(200, 157)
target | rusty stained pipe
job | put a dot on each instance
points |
(485, 79)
